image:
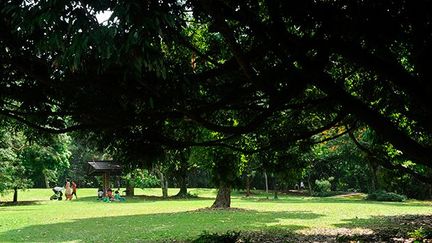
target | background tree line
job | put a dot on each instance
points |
(47, 161)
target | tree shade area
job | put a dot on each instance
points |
(289, 219)
(307, 98)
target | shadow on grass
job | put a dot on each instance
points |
(20, 203)
(334, 200)
(141, 199)
(385, 228)
(156, 227)
(375, 229)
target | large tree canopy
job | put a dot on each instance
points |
(259, 74)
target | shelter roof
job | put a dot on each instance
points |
(104, 166)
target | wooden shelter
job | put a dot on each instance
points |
(106, 169)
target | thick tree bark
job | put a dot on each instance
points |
(223, 198)
(183, 187)
(15, 196)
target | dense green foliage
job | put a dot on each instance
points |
(323, 185)
(12, 170)
(142, 179)
(28, 159)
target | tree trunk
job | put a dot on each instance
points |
(309, 183)
(130, 188)
(182, 177)
(15, 196)
(248, 183)
(45, 177)
(163, 183)
(183, 188)
(266, 183)
(165, 189)
(374, 179)
(46, 181)
(223, 198)
(275, 188)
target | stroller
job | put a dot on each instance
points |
(58, 194)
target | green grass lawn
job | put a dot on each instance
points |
(152, 219)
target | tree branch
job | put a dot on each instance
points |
(385, 162)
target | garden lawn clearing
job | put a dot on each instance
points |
(149, 218)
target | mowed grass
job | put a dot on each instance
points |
(145, 219)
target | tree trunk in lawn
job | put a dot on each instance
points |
(183, 187)
(248, 183)
(163, 183)
(165, 189)
(182, 177)
(223, 198)
(130, 188)
(266, 183)
(275, 188)
(15, 196)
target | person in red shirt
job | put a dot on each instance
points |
(74, 189)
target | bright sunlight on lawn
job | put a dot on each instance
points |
(151, 219)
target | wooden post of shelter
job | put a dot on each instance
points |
(106, 179)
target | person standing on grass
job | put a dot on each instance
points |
(68, 191)
(74, 189)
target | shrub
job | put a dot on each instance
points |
(385, 196)
(142, 178)
(322, 186)
(421, 234)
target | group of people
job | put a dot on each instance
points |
(70, 191)
(109, 197)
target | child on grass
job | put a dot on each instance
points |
(100, 194)
(118, 198)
